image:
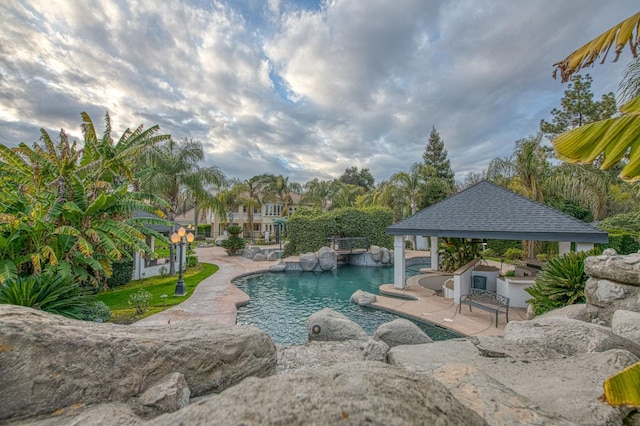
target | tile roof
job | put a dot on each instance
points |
(489, 211)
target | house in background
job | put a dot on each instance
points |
(263, 219)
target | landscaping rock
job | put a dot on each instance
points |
(567, 336)
(351, 393)
(578, 312)
(565, 386)
(362, 298)
(259, 257)
(607, 296)
(281, 266)
(391, 257)
(376, 253)
(327, 258)
(50, 362)
(375, 350)
(317, 354)
(329, 325)
(609, 266)
(272, 256)
(250, 252)
(308, 261)
(171, 393)
(626, 324)
(385, 258)
(401, 331)
(495, 402)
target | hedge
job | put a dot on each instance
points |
(308, 230)
(122, 272)
(623, 242)
(204, 230)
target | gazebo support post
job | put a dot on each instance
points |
(564, 247)
(435, 264)
(398, 261)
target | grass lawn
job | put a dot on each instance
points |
(118, 298)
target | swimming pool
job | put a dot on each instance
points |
(281, 302)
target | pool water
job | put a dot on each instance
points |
(282, 302)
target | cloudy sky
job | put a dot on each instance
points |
(303, 88)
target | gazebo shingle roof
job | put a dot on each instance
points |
(489, 211)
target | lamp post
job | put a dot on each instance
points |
(178, 238)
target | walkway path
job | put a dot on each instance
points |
(215, 299)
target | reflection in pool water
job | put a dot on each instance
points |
(282, 302)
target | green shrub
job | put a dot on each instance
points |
(204, 230)
(122, 272)
(98, 311)
(560, 283)
(233, 244)
(50, 291)
(234, 230)
(192, 261)
(457, 252)
(140, 301)
(501, 246)
(489, 253)
(542, 257)
(513, 254)
(623, 242)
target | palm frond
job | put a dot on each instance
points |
(613, 137)
(619, 35)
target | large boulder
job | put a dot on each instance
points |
(308, 261)
(386, 256)
(327, 258)
(272, 256)
(401, 331)
(250, 252)
(50, 362)
(317, 354)
(170, 394)
(376, 253)
(627, 325)
(498, 404)
(578, 311)
(259, 257)
(567, 336)
(329, 325)
(375, 350)
(610, 266)
(281, 266)
(609, 296)
(566, 386)
(351, 393)
(362, 298)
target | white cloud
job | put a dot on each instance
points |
(303, 91)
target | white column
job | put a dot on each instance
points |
(584, 247)
(398, 261)
(435, 265)
(564, 247)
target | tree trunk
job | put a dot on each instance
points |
(172, 248)
(195, 220)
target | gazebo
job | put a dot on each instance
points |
(488, 211)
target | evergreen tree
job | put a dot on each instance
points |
(436, 156)
(578, 108)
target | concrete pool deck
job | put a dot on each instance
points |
(216, 299)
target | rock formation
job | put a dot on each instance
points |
(329, 325)
(50, 362)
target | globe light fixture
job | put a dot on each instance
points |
(178, 238)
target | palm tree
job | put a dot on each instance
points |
(282, 189)
(176, 176)
(319, 193)
(61, 210)
(614, 137)
(525, 172)
(585, 185)
(346, 195)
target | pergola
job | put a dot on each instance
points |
(488, 211)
